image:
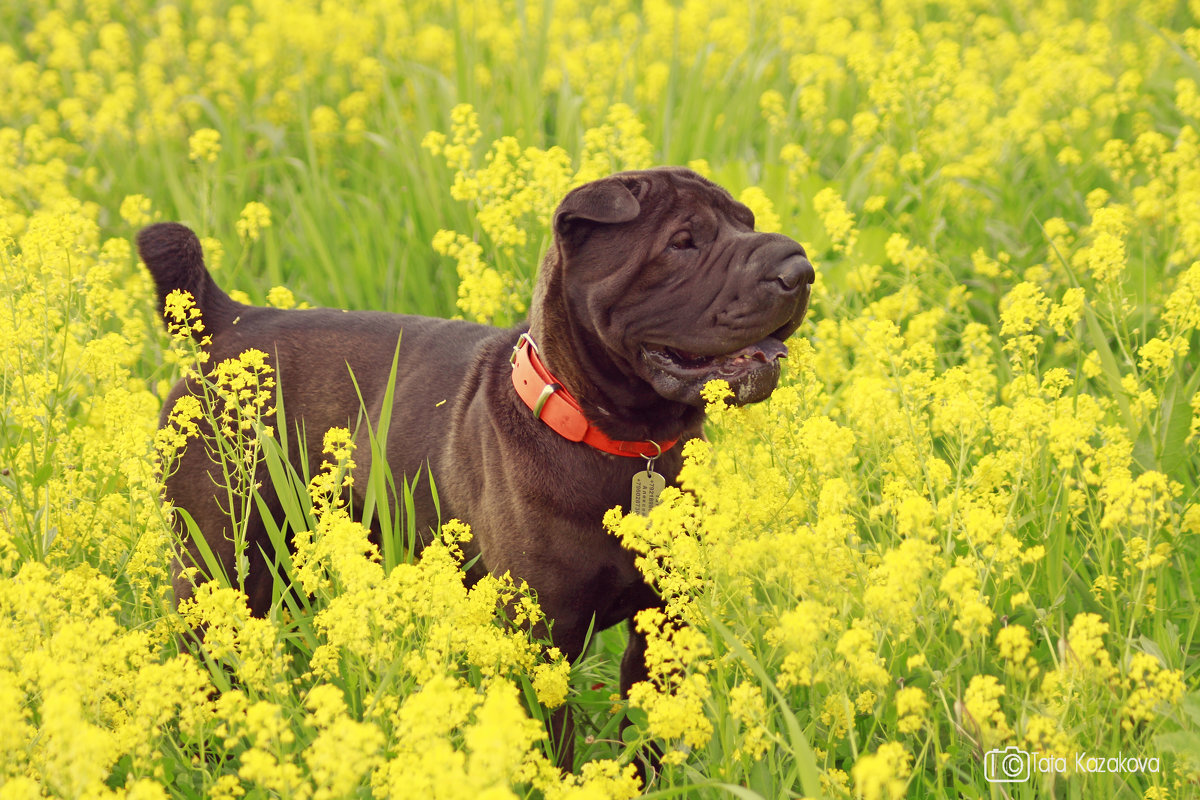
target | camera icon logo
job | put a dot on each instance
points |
(1010, 765)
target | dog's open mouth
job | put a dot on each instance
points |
(728, 365)
(681, 371)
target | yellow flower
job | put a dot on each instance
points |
(911, 708)
(1013, 643)
(701, 166)
(281, 297)
(204, 145)
(675, 696)
(837, 219)
(551, 681)
(1151, 688)
(960, 584)
(597, 780)
(1021, 311)
(181, 314)
(1045, 735)
(798, 160)
(251, 646)
(882, 775)
(1106, 255)
(1065, 315)
(747, 706)
(1160, 354)
(1182, 307)
(981, 703)
(214, 253)
(901, 252)
(500, 737)
(912, 162)
(1014, 646)
(774, 111)
(135, 209)
(344, 750)
(483, 293)
(255, 216)
(801, 632)
(324, 124)
(1086, 655)
(858, 648)
(765, 218)
(1069, 156)
(677, 714)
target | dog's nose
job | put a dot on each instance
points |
(780, 262)
(794, 271)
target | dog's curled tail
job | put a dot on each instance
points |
(172, 254)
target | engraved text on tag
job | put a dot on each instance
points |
(647, 485)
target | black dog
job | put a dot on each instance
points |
(655, 284)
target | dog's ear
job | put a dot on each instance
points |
(607, 201)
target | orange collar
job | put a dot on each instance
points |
(555, 406)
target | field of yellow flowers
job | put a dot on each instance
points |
(955, 555)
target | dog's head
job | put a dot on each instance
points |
(662, 271)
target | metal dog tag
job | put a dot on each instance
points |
(647, 486)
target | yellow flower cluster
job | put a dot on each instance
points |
(80, 690)
(255, 217)
(483, 293)
(204, 145)
(765, 218)
(675, 696)
(249, 645)
(982, 713)
(244, 387)
(912, 707)
(77, 481)
(1151, 687)
(837, 219)
(514, 190)
(882, 775)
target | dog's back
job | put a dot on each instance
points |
(332, 369)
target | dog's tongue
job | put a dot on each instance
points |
(766, 351)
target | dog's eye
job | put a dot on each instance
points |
(682, 241)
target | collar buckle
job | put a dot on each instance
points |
(524, 341)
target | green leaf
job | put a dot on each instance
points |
(806, 759)
(380, 494)
(1176, 454)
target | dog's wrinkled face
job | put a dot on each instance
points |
(667, 270)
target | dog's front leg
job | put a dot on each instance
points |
(561, 723)
(633, 662)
